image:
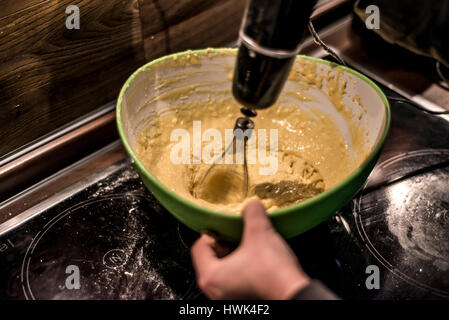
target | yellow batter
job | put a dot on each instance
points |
(312, 157)
(312, 154)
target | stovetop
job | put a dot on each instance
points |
(113, 240)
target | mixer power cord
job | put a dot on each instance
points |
(340, 60)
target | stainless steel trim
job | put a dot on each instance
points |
(32, 212)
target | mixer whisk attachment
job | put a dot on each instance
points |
(228, 176)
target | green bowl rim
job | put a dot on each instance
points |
(276, 213)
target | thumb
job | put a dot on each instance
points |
(256, 221)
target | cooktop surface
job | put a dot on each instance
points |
(113, 240)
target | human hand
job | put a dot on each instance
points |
(262, 267)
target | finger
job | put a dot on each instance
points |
(222, 249)
(203, 253)
(255, 220)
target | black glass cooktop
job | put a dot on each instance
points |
(113, 240)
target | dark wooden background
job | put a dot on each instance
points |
(50, 75)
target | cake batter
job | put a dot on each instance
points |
(312, 156)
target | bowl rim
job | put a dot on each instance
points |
(276, 213)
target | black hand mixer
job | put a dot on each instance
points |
(269, 40)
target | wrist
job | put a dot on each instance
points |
(297, 285)
(291, 286)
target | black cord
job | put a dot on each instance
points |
(319, 42)
(417, 106)
(441, 75)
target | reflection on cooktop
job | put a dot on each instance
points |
(114, 242)
(115, 245)
(405, 224)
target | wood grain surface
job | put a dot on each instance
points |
(175, 25)
(50, 75)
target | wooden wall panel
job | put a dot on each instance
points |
(176, 25)
(50, 75)
(13, 6)
(157, 15)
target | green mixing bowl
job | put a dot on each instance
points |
(138, 101)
